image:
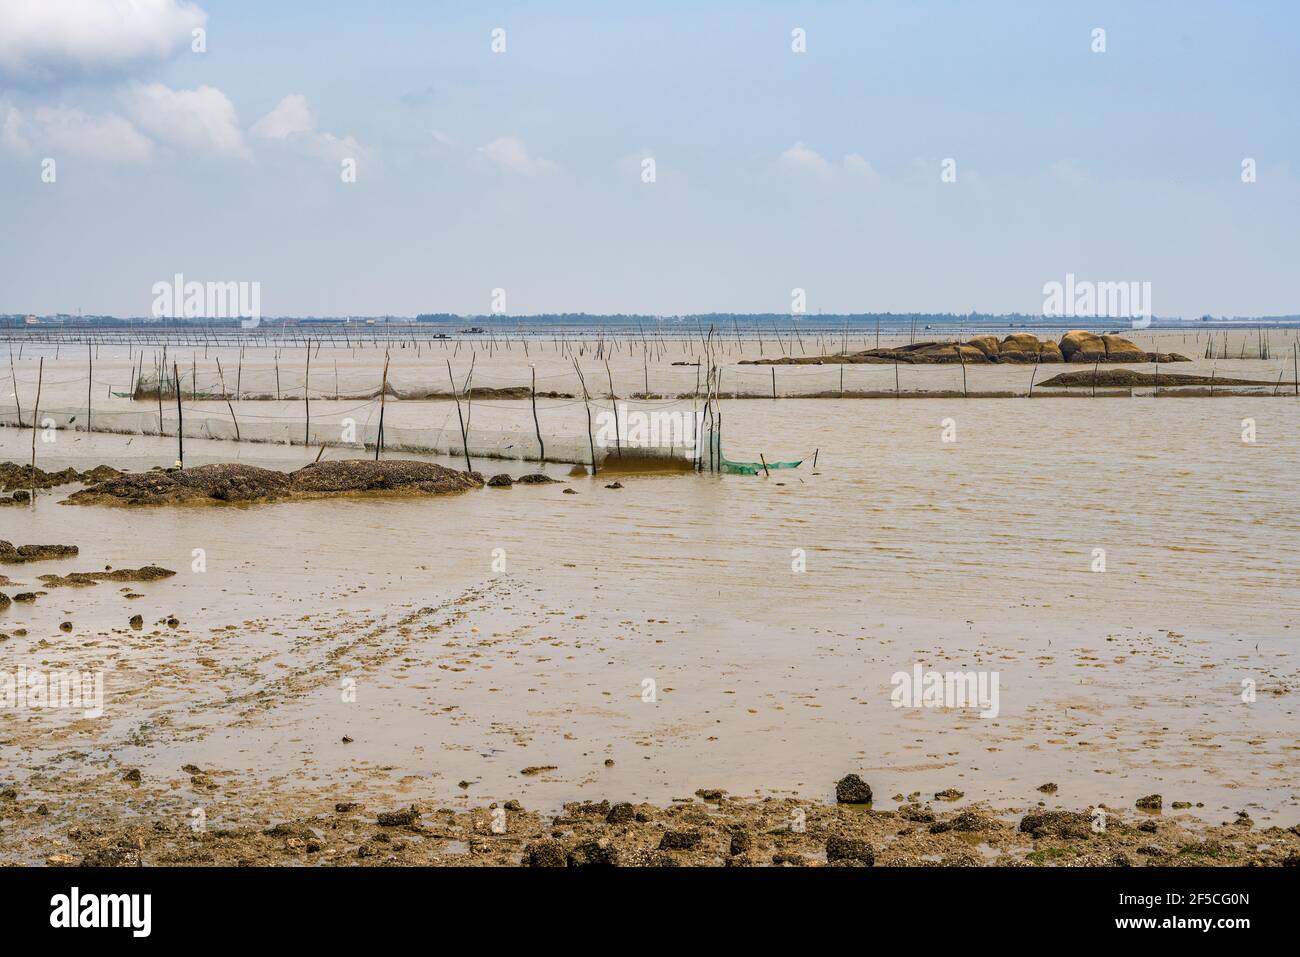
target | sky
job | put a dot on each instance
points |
(524, 169)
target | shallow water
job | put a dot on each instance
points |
(975, 554)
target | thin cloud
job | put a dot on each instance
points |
(292, 122)
(57, 131)
(509, 154)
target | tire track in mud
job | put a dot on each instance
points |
(367, 651)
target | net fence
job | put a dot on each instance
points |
(560, 432)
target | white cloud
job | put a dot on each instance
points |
(803, 159)
(800, 157)
(59, 131)
(291, 115)
(292, 122)
(511, 155)
(41, 40)
(201, 120)
(857, 165)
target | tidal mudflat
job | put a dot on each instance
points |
(1125, 568)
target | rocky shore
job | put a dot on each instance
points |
(710, 829)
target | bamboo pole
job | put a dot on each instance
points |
(536, 423)
(159, 367)
(14, 373)
(180, 420)
(586, 401)
(618, 440)
(383, 391)
(464, 436)
(36, 415)
(221, 375)
(306, 398)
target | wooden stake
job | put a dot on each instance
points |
(537, 424)
(14, 373)
(306, 398)
(222, 376)
(180, 421)
(464, 437)
(618, 441)
(383, 391)
(586, 401)
(36, 416)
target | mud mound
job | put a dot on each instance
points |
(149, 573)
(248, 484)
(392, 475)
(15, 476)
(1131, 377)
(218, 483)
(9, 555)
(489, 392)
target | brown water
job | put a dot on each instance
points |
(975, 554)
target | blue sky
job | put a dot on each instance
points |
(774, 169)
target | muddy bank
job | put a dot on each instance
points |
(246, 484)
(150, 394)
(1132, 377)
(710, 829)
(1019, 348)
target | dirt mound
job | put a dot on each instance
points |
(15, 476)
(1131, 377)
(247, 484)
(9, 555)
(218, 483)
(391, 475)
(149, 573)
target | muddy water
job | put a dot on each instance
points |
(976, 554)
